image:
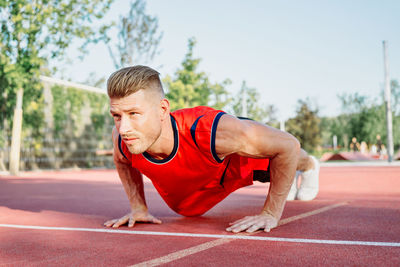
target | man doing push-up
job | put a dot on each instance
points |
(195, 157)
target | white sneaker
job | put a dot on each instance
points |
(309, 185)
(293, 189)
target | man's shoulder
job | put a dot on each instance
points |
(188, 118)
(192, 114)
(199, 110)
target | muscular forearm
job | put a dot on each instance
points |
(283, 169)
(132, 180)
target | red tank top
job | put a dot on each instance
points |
(193, 179)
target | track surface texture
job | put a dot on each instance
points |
(55, 219)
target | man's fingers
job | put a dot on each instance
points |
(120, 222)
(240, 228)
(232, 228)
(269, 226)
(237, 228)
(110, 223)
(241, 223)
(131, 219)
(131, 222)
(253, 223)
(253, 228)
(155, 220)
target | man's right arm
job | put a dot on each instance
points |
(132, 181)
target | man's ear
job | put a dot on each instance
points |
(164, 108)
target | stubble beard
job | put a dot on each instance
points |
(136, 149)
(142, 144)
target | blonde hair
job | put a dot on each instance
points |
(129, 80)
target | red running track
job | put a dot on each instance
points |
(367, 209)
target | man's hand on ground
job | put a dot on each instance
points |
(253, 223)
(131, 218)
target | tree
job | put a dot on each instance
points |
(339, 126)
(32, 33)
(305, 126)
(94, 80)
(191, 88)
(365, 118)
(138, 38)
(255, 110)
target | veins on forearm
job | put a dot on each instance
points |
(283, 168)
(132, 182)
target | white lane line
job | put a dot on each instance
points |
(233, 236)
(182, 253)
(310, 213)
(195, 249)
(210, 244)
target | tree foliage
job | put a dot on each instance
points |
(77, 124)
(363, 118)
(190, 87)
(32, 33)
(138, 37)
(255, 110)
(305, 126)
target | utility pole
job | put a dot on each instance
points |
(282, 125)
(334, 139)
(389, 124)
(244, 101)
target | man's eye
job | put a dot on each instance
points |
(116, 116)
(132, 113)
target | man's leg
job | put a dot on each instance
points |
(308, 168)
(305, 162)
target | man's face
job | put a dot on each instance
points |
(137, 118)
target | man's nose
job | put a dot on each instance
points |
(125, 125)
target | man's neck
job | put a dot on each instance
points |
(164, 145)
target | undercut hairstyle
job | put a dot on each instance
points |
(129, 80)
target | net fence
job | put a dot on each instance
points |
(73, 129)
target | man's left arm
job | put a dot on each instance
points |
(252, 139)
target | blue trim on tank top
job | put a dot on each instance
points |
(193, 130)
(120, 147)
(174, 150)
(213, 134)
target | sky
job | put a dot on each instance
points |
(287, 50)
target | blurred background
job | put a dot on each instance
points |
(312, 68)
